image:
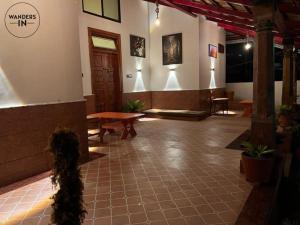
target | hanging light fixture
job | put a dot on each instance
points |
(248, 45)
(157, 21)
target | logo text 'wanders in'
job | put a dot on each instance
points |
(22, 20)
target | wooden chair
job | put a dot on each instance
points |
(218, 101)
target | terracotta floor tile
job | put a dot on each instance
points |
(177, 222)
(104, 212)
(121, 210)
(103, 221)
(135, 208)
(163, 222)
(155, 215)
(219, 207)
(228, 216)
(138, 218)
(172, 213)
(204, 209)
(167, 205)
(151, 207)
(171, 167)
(211, 218)
(194, 220)
(120, 220)
(188, 211)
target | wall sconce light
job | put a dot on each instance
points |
(212, 69)
(139, 70)
(173, 69)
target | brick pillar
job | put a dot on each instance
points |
(263, 119)
(288, 81)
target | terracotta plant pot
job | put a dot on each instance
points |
(258, 170)
(283, 121)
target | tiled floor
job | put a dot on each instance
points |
(172, 173)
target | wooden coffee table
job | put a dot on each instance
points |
(111, 121)
(247, 106)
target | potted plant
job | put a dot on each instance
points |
(134, 106)
(258, 162)
(284, 116)
(67, 206)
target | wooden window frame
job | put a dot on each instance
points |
(102, 12)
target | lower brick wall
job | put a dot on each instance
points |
(145, 97)
(184, 99)
(24, 135)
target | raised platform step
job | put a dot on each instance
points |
(177, 114)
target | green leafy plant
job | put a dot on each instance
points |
(285, 110)
(257, 151)
(134, 106)
(66, 175)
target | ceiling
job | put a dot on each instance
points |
(236, 16)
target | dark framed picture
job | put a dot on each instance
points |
(172, 49)
(137, 46)
(221, 48)
(212, 51)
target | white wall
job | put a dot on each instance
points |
(45, 67)
(197, 33)
(186, 75)
(134, 15)
(244, 91)
(210, 33)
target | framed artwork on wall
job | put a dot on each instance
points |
(221, 48)
(212, 51)
(172, 49)
(137, 46)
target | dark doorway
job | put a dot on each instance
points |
(105, 57)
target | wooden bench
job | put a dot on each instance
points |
(107, 122)
(111, 127)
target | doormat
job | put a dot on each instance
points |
(92, 156)
(237, 143)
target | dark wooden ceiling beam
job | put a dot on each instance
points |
(245, 27)
(248, 9)
(198, 5)
(289, 8)
(232, 6)
(224, 17)
(171, 4)
(241, 2)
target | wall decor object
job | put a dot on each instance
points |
(137, 46)
(221, 48)
(212, 51)
(172, 49)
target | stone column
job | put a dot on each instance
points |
(263, 119)
(288, 81)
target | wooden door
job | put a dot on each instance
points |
(106, 79)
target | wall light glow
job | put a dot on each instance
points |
(8, 96)
(139, 83)
(212, 84)
(172, 82)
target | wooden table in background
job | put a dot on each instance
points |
(125, 121)
(247, 105)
